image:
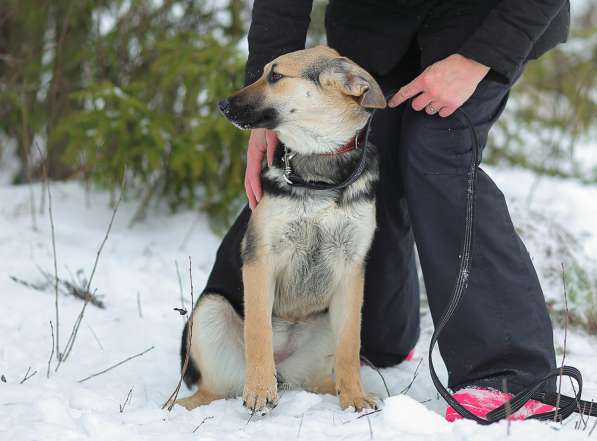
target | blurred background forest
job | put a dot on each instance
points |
(91, 87)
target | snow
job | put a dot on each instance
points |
(139, 263)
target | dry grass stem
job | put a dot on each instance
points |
(555, 417)
(75, 330)
(51, 353)
(416, 373)
(27, 376)
(593, 428)
(76, 287)
(202, 422)
(117, 364)
(126, 400)
(95, 337)
(376, 369)
(298, 432)
(172, 398)
(53, 235)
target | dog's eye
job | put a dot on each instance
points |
(274, 77)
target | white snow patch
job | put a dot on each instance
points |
(141, 260)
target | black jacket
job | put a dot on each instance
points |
(502, 34)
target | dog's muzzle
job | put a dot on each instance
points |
(247, 114)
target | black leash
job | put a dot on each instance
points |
(564, 405)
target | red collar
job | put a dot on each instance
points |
(356, 141)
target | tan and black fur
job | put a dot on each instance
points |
(303, 252)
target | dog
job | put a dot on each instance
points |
(304, 250)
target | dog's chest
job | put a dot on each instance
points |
(312, 249)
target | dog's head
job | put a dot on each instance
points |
(314, 99)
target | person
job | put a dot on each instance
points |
(440, 56)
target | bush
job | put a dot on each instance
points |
(102, 85)
(551, 111)
(164, 127)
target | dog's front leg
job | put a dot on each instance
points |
(260, 391)
(345, 314)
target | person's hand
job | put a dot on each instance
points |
(443, 87)
(261, 142)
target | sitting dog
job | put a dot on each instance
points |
(304, 250)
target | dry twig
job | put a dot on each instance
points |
(51, 353)
(375, 368)
(95, 337)
(51, 215)
(76, 287)
(187, 236)
(28, 167)
(416, 373)
(555, 417)
(298, 432)
(593, 428)
(75, 330)
(363, 415)
(116, 365)
(170, 401)
(202, 422)
(27, 376)
(126, 400)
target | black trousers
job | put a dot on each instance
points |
(502, 329)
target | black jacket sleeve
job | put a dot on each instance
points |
(277, 27)
(505, 38)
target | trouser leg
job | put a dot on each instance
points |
(226, 275)
(501, 329)
(390, 327)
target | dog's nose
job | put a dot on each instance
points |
(224, 106)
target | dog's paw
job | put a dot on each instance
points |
(259, 397)
(188, 403)
(358, 401)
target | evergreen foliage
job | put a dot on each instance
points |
(101, 85)
(106, 84)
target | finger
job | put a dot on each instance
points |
(406, 92)
(447, 111)
(253, 175)
(272, 142)
(420, 102)
(255, 182)
(250, 195)
(431, 108)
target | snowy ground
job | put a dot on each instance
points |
(139, 263)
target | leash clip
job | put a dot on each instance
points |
(287, 167)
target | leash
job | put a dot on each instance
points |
(563, 404)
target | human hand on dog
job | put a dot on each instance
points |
(443, 87)
(261, 142)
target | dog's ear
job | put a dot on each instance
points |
(355, 81)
